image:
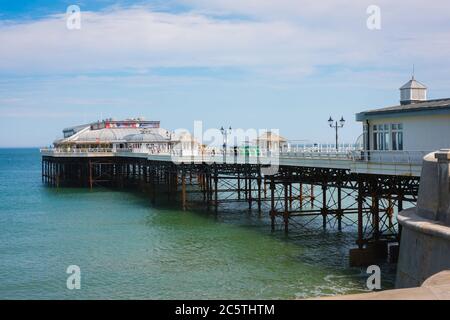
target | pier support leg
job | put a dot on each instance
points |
(286, 208)
(339, 210)
(272, 203)
(57, 174)
(250, 196)
(90, 174)
(208, 191)
(203, 179)
(239, 183)
(265, 188)
(259, 190)
(375, 217)
(360, 199)
(390, 211)
(300, 197)
(290, 196)
(399, 208)
(183, 190)
(245, 186)
(324, 206)
(216, 195)
(153, 185)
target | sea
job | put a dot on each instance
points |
(126, 247)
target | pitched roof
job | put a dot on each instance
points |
(413, 84)
(425, 106)
(270, 136)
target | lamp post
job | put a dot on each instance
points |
(225, 133)
(336, 125)
(169, 137)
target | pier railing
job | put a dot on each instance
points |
(373, 156)
(312, 154)
(386, 156)
(76, 150)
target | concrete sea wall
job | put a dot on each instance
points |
(425, 238)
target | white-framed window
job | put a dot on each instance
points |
(380, 137)
(387, 136)
(397, 136)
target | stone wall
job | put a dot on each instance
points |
(425, 241)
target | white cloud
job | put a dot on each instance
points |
(137, 38)
(286, 38)
(276, 9)
(325, 10)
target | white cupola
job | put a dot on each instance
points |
(413, 92)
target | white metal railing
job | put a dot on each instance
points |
(77, 150)
(385, 156)
(374, 156)
(321, 147)
(143, 150)
(312, 154)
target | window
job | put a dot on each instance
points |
(388, 136)
(375, 137)
(386, 139)
(394, 141)
(380, 137)
(380, 140)
(397, 136)
(68, 133)
(400, 140)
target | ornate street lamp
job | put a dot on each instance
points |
(169, 142)
(336, 125)
(225, 134)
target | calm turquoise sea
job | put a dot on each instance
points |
(127, 248)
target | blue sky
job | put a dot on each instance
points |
(284, 64)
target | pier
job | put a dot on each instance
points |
(362, 186)
(339, 189)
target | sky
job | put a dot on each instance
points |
(261, 64)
